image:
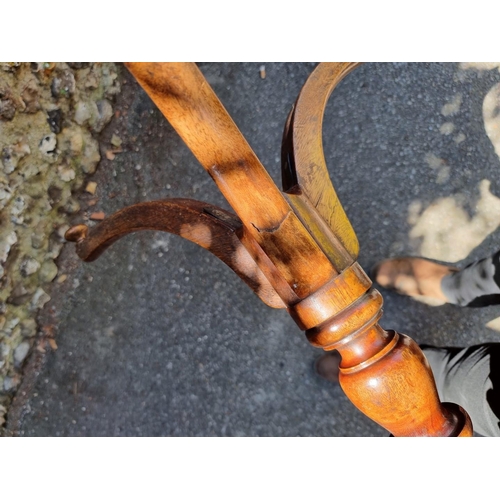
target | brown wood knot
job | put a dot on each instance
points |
(335, 297)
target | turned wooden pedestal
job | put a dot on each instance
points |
(295, 248)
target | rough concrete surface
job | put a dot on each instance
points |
(159, 338)
(51, 115)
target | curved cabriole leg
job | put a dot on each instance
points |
(208, 226)
(303, 166)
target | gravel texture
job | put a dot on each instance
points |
(45, 154)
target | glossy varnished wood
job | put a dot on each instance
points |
(295, 249)
(303, 163)
(183, 95)
(385, 374)
(210, 227)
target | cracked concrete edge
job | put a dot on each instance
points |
(68, 105)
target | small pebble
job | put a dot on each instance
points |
(29, 266)
(48, 144)
(21, 351)
(40, 298)
(9, 383)
(104, 113)
(62, 278)
(28, 328)
(91, 187)
(38, 239)
(7, 105)
(30, 96)
(91, 157)
(64, 84)
(97, 216)
(116, 141)
(48, 271)
(11, 155)
(83, 112)
(8, 240)
(55, 120)
(66, 174)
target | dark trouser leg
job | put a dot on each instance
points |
(477, 285)
(470, 377)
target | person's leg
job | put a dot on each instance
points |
(477, 285)
(470, 377)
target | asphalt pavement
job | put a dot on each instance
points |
(159, 338)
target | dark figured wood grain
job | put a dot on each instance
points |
(210, 227)
(187, 101)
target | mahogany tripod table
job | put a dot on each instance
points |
(295, 248)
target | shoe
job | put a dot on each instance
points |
(415, 277)
(327, 366)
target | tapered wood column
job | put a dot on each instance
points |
(383, 373)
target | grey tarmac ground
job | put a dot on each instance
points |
(159, 338)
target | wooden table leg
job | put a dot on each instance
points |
(300, 240)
